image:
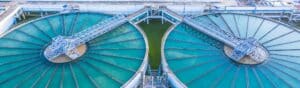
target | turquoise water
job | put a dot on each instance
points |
(199, 61)
(110, 61)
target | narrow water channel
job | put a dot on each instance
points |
(154, 32)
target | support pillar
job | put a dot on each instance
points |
(291, 17)
(148, 14)
(162, 18)
(23, 15)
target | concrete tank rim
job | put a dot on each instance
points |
(164, 61)
(143, 67)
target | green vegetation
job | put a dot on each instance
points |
(154, 32)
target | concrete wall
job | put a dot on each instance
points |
(139, 0)
(114, 9)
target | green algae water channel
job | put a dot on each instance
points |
(154, 32)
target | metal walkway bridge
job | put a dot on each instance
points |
(241, 47)
(162, 13)
(67, 44)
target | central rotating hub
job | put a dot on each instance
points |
(64, 49)
(248, 51)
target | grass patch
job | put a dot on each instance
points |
(154, 32)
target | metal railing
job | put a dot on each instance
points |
(241, 47)
(99, 29)
(162, 13)
(155, 79)
(68, 44)
(213, 31)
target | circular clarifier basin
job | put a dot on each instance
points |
(111, 60)
(198, 60)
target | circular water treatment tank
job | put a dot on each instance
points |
(195, 60)
(109, 61)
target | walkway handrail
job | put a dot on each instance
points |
(68, 44)
(213, 31)
(172, 13)
(99, 29)
(137, 13)
(241, 47)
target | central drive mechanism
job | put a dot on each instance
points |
(63, 49)
(248, 51)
